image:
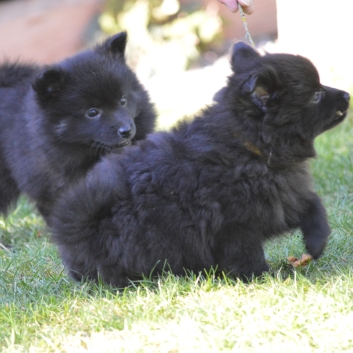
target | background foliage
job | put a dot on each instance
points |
(164, 34)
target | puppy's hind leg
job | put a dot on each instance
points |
(78, 268)
(315, 227)
(242, 256)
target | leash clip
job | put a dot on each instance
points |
(245, 23)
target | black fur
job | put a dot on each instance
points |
(212, 191)
(57, 121)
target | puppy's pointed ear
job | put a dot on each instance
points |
(50, 83)
(115, 44)
(262, 86)
(243, 56)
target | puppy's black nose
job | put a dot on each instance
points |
(346, 96)
(124, 131)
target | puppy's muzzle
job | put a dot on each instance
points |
(341, 112)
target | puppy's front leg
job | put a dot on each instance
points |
(315, 227)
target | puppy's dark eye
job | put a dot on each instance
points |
(316, 98)
(123, 101)
(93, 113)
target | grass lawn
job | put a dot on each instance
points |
(304, 310)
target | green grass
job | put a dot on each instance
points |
(304, 310)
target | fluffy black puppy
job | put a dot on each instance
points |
(210, 192)
(57, 121)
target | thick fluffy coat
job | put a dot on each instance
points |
(57, 121)
(211, 191)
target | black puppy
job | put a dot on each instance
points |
(210, 192)
(57, 121)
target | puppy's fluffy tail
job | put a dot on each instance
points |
(81, 225)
